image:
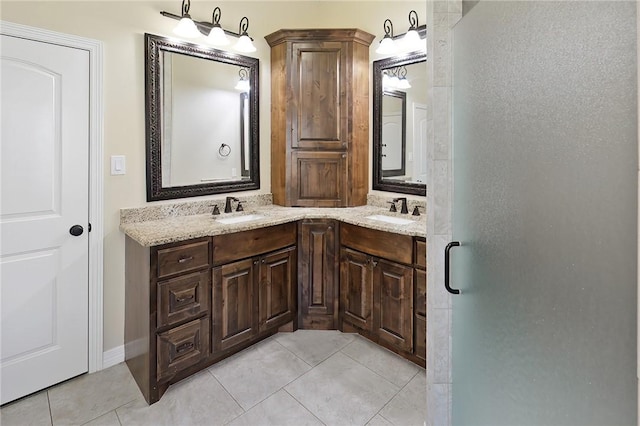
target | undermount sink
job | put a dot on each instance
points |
(390, 219)
(240, 219)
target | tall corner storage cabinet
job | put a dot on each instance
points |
(320, 117)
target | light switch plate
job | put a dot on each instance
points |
(118, 165)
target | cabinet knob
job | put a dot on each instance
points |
(255, 262)
(374, 263)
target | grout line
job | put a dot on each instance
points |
(293, 353)
(228, 392)
(304, 406)
(49, 405)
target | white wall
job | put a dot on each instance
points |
(121, 27)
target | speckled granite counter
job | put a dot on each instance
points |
(179, 226)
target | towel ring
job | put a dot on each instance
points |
(224, 150)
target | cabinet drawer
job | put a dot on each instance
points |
(183, 258)
(396, 247)
(182, 347)
(420, 254)
(240, 245)
(182, 298)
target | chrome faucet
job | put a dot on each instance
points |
(227, 204)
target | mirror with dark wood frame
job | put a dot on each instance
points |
(202, 128)
(400, 124)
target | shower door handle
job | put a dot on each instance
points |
(447, 251)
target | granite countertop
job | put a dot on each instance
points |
(183, 227)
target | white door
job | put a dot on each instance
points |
(420, 143)
(44, 192)
(392, 142)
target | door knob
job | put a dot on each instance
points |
(76, 230)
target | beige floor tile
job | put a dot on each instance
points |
(109, 419)
(314, 346)
(198, 400)
(382, 361)
(409, 406)
(259, 371)
(32, 410)
(280, 409)
(92, 395)
(339, 391)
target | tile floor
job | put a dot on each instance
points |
(302, 378)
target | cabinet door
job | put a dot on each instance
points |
(234, 319)
(318, 274)
(420, 317)
(319, 77)
(393, 303)
(277, 288)
(318, 178)
(356, 289)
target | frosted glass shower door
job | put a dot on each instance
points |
(545, 166)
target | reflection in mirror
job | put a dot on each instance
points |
(400, 124)
(202, 132)
(394, 117)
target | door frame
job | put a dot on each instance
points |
(96, 174)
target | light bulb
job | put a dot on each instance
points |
(387, 45)
(412, 41)
(243, 85)
(403, 83)
(186, 28)
(385, 81)
(245, 44)
(217, 37)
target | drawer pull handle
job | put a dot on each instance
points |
(184, 347)
(185, 259)
(184, 299)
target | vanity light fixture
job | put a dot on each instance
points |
(186, 27)
(395, 79)
(403, 83)
(243, 84)
(216, 36)
(413, 40)
(244, 44)
(387, 45)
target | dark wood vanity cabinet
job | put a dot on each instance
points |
(377, 285)
(253, 295)
(167, 312)
(320, 117)
(192, 303)
(318, 274)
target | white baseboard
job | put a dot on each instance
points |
(113, 356)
